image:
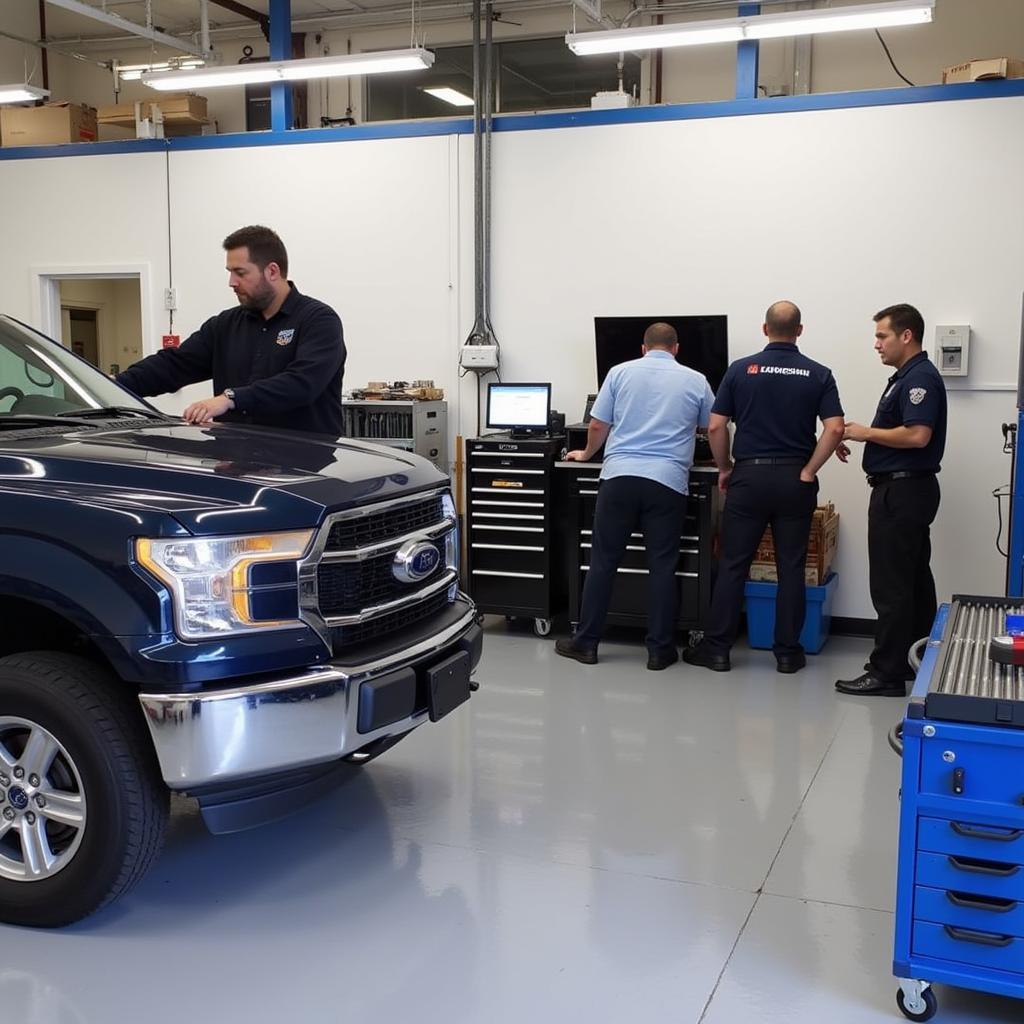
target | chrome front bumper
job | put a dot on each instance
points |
(206, 738)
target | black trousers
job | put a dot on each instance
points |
(759, 496)
(626, 504)
(900, 515)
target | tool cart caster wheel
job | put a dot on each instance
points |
(542, 627)
(509, 619)
(926, 1008)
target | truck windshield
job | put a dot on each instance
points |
(39, 377)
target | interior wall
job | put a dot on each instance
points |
(701, 216)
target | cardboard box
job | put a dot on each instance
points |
(821, 549)
(186, 108)
(48, 125)
(977, 70)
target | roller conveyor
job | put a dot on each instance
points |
(967, 685)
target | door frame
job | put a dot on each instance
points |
(46, 294)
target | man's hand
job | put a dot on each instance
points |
(208, 409)
(723, 479)
(807, 477)
(843, 452)
(579, 455)
(855, 432)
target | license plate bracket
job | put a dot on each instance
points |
(447, 685)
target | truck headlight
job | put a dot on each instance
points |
(451, 542)
(226, 585)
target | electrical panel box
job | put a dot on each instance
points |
(479, 357)
(951, 349)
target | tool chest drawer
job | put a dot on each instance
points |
(968, 874)
(991, 949)
(520, 558)
(969, 910)
(965, 839)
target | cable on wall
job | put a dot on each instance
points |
(891, 61)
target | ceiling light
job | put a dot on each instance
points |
(22, 93)
(133, 72)
(452, 96)
(291, 70)
(760, 26)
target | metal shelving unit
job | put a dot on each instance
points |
(410, 424)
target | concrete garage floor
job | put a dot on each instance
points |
(578, 844)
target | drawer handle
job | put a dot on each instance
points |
(989, 903)
(984, 867)
(980, 938)
(974, 832)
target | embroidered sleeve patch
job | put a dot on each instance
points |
(917, 395)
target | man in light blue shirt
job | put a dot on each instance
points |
(649, 411)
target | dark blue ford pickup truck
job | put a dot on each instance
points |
(232, 613)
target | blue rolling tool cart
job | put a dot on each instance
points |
(960, 885)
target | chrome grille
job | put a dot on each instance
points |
(348, 586)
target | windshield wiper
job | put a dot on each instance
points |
(114, 410)
(29, 420)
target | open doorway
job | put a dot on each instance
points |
(101, 320)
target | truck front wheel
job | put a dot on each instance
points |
(82, 808)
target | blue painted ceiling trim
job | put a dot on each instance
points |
(537, 122)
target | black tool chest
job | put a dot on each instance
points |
(511, 566)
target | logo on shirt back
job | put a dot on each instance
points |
(285, 337)
(917, 395)
(753, 368)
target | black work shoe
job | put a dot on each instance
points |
(657, 662)
(868, 685)
(789, 663)
(701, 656)
(568, 649)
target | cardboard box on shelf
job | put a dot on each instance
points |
(177, 108)
(821, 549)
(978, 70)
(48, 125)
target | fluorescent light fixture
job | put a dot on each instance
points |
(22, 93)
(452, 96)
(133, 72)
(291, 70)
(760, 26)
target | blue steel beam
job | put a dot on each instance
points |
(280, 49)
(747, 55)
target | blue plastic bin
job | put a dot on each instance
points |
(760, 605)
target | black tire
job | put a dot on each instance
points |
(97, 722)
(931, 1005)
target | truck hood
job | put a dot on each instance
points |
(216, 479)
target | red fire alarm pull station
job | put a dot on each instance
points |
(172, 340)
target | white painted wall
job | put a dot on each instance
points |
(842, 211)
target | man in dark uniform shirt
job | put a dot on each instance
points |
(903, 450)
(276, 360)
(775, 398)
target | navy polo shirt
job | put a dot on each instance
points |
(915, 393)
(286, 371)
(776, 398)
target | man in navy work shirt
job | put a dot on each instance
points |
(276, 359)
(649, 410)
(903, 450)
(776, 399)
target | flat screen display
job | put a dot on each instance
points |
(518, 406)
(703, 342)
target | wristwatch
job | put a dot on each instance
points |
(229, 393)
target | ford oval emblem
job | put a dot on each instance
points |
(415, 560)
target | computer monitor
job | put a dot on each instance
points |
(521, 408)
(703, 342)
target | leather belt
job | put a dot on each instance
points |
(771, 462)
(904, 474)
